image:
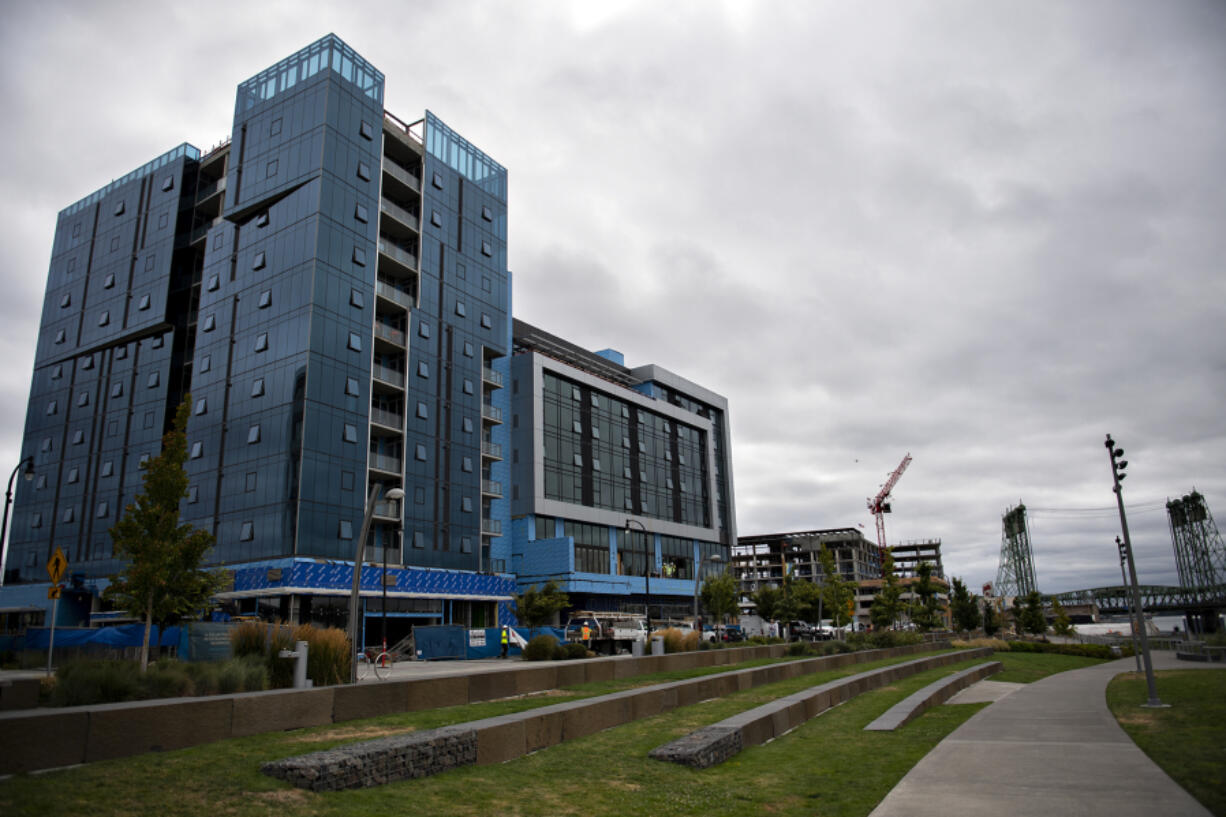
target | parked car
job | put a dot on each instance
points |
(733, 633)
(800, 630)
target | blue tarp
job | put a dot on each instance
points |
(125, 635)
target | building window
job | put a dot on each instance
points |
(466, 425)
(143, 461)
(87, 362)
(422, 411)
(108, 469)
(258, 260)
(366, 131)
(247, 532)
(468, 386)
(265, 299)
(423, 369)
(359, 256)
(121, 352)
(104, 318)
(437, 180)
(119, 208)
(251, 482)
(210, 323)
(262, 219)
(144, 303)
(423, 329)
(578, 459)
(346, 530)
(36, 521)
(104, 510)
(363, 171)
(148, 419)
(261, 342)
(162, 221)
(436, 219)
(486, 321)
(460, 309)
(70, 514)
(154, 380)
(355, 341)
(52, 408)
(197, 450)
(257, 387)
(78, 437)
(253, 434)
(83, 399)
(350, 434)
(356, 299)
(461, 271)
(466, 465)
(272, 169)
(360, 213)
(351, 387)
(46, 445)
(206, 363)
(420, 453)
(168, 183)
(485, 248)
(214, 283)
(74, 475)
(59, 336)
(466, 544)
(346, 480)
(487, 213)
(468, 348)
(150, 260)
(57, 371)
(65, 301)
(419, 539)
(274, 128)
(193, 494)
(158, 342)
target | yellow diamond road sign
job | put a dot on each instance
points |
(57, 566)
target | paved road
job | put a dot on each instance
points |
(1050, 748)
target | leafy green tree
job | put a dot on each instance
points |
(808, 599)
(964, 608)
(926, 610)
(1063, 625)
(991, 621)
(538, 607)
(1028, 614)
(887, 604)
(838, 593)
(719, 595)
(766, 600)
(162, 582)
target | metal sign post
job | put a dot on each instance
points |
(55, 569)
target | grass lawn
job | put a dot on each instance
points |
(829, 766)
(1188, 740)
(1027, 667)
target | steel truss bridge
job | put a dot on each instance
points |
(1154, 598)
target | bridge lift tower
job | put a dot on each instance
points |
(1015, 573)
(1199, 553)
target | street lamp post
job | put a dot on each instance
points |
(714, 558)
(1117, 474)
(647, 560)
(395, 494)
(26, 466)
(1132, 625)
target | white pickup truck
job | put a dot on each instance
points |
(608, 633)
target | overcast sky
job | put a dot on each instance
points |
(982, 233)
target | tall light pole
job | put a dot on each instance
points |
(26, 466)
(1118, 464)
(1132, 624)
(354, 627)
(647, 560)
(714, 558)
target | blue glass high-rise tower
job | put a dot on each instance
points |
(330, 286)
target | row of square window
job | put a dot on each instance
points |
(168, 184)
(246, 533)
(154, 380)
(626, 472)
(121, 353)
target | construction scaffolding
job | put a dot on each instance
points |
(1015, 574)
(1199, 552)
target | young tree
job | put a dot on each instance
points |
(538, 607)
(1029, 616)
(838, 593)
(766, 600)
(926, 612)
(991, 622)
(964, 607)
(887, 604)
(719, 595)
(162, 581)
(1063, 625)
(808, 598)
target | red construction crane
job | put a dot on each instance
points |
(879, 505)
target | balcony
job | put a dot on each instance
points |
(400, 214)
(387, 509)
(390, 334)
(399, 256)
(491, 377)
(490, 450)
(382, 462)
(401, 174)
(395, 294)
(494, 415)
(491, 488)
(389, 376)
(387, 419)
(210, 190)
(491, 527)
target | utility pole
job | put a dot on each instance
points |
(1132, 622)
(1117, 474)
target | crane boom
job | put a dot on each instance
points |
(879, 505)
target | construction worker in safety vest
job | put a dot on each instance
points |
(587, 636)
(506, 640)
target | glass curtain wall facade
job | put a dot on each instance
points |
(330, 286)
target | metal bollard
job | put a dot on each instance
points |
(300, 664)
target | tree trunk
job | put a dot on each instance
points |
(144, 650)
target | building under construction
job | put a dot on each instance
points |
(910, 555)
(763, 561)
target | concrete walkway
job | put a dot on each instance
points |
(1047, 748)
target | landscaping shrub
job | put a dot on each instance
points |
(1084, 650)
(673, 639)
(995, 643)
(79, 683)
(166, 679)
(328, 653)
(884, 639)
(540, 648)
(248, 638)
(800, 648)
(576, 651)
(833, 647)
(690, 641)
